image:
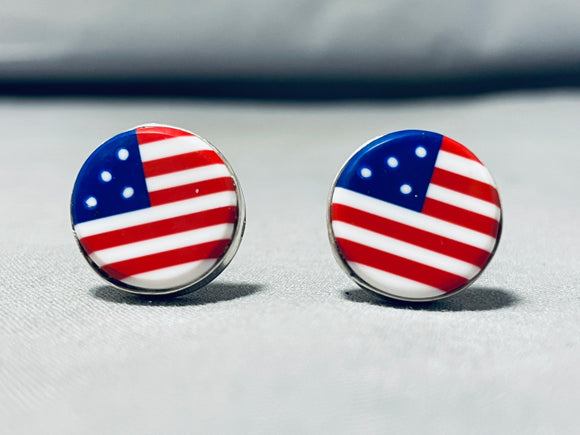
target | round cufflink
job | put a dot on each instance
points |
(414, 215)
(157, 210)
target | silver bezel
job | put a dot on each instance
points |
(220, 265)
(365, 285)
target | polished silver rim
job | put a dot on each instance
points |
(365, 285)
(220, 265)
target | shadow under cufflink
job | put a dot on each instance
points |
(210, 294)
(472, 299)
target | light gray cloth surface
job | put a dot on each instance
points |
(386, 39)
(283, 341)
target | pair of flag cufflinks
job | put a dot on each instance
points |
(412, 215)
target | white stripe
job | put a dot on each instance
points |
(153, 214)
(412, 218)
(168, 277)
(162, 244)
(188, 176)
(394, 284)
(462, 166)
(171, 147)
(404, 250)
(463, 201)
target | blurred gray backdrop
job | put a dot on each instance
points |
(371, 39)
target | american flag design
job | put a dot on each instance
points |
(414, 215)
(157, 209)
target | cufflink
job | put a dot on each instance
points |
(157, 210)
(414, 215)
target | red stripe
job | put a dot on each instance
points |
(465, 185)
(180, 162)
(406, 233)
(453, 147)
(134, 266)
(189, 191)
(460, 216)
(156, 133)
(160, 228)
(355, 252)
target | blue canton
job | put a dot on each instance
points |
(396, 168)
(111, 181)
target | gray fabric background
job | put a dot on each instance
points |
(385, 39)
(283, 341)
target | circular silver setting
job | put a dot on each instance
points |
(210, 275)
(343, 264)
